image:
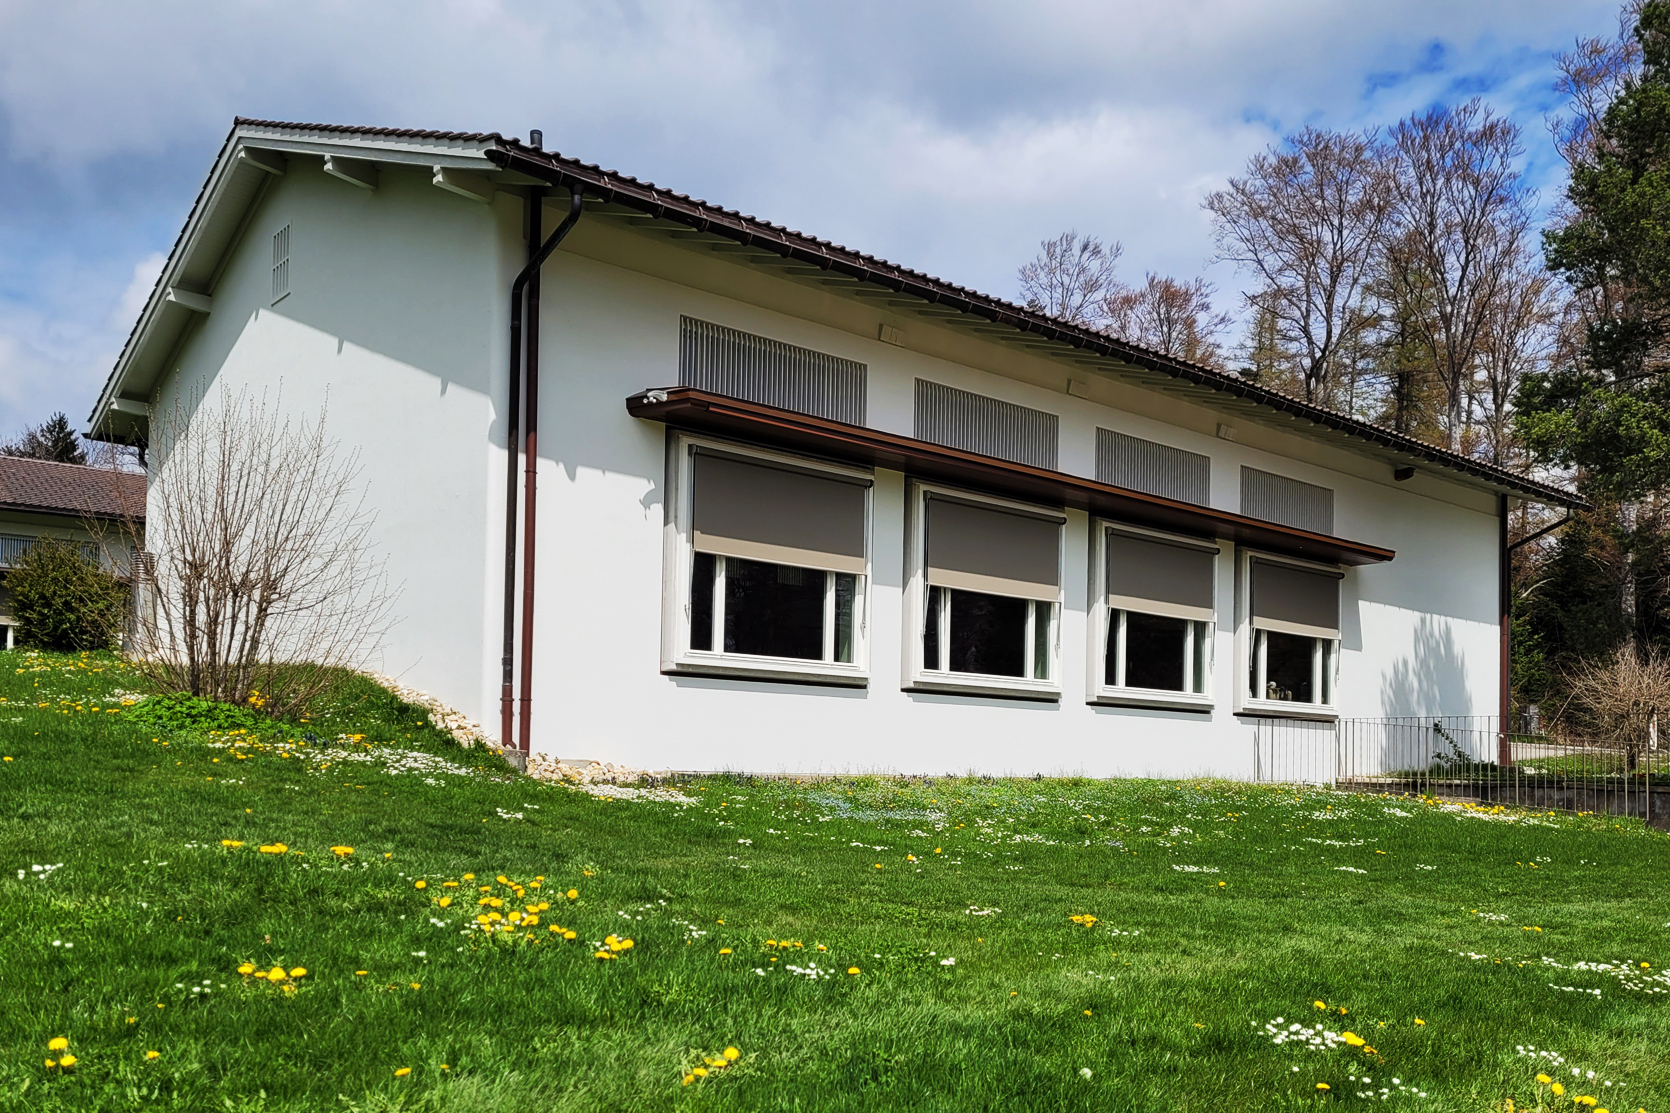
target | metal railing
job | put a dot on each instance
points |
(1469, 758)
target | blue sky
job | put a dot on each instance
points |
(951, 137)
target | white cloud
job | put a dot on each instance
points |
(133, 299)
(946, 136)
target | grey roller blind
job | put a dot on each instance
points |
(1293, 600)
(1153, 576)
(760, 512)
(985, 549)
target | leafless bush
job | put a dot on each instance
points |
(1170, 316)
(259, 580)
(1622, 697)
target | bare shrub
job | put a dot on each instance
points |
(1070, 277)
(259, 581)
(1620, 698)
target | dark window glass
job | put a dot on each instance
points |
(1040, 640)
(988, 634)
(1287, 667)
(846, 593)
(701, 601)
(773, 610)
(1154, 651)
(930, 629)
(1110, 662)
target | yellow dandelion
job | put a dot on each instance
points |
(342, 851)
(1544, 1079)
(361, 973)
(469, 877)
(689, 1078)
(1558, 1089)
(1419, 1021)
(444, 901)
(153, 1054)
(299, 972)
(66, 1061)
(852, 969)
(573, 894)
(732, 1054)
(1323, 1086)
(233, 843)
(57, 1043)
(276, 974)
(403, 1072)
(700, 1072)
(724, 950)
(246, 968)
(422, 885)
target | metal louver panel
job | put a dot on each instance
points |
(974, 423)
(757, 369)
(1152, 468)
(1276, 498)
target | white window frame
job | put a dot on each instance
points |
(1100, 691)
(1325, 658)
(919, 678)
(678, 558)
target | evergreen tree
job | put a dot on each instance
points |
(1607, 412)
(52, 440)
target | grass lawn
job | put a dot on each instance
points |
(863, 944)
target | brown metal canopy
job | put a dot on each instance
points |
(701, 411)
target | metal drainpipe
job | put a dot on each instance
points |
(530, 450)
(513, 430)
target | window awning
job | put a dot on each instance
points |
(701, 411)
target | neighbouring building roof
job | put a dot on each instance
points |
(45, 487)
(207, 233)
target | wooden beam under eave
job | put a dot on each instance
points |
(356, 172)
(268, 162)
(472, 187)
(197, 303)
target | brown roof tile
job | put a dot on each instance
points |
(75, 489)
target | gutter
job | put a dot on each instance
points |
(524, 331)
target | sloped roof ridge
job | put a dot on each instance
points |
(356, 129)
(1029, 320)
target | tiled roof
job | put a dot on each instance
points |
(73, 489)
(396, 133)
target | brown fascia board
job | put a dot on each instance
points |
(614, 188)
(705, 412)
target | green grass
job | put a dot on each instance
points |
(1365, 904)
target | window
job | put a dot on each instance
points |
(1292, 643)
(768, 567)
(986, 595)
(1153, 621)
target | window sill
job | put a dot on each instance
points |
(767, 668)
(1000, 687)
(1277, 709)
(1137, 697)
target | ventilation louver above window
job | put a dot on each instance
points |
(1276, 498)
(281, 264)
(974, 423)
(1152, 468)
(757, 369)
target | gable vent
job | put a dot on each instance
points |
(1276, 498)
(974, 423)
(770, 372)
(281, 263)
(1152, 468)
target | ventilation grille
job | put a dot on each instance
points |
(1155, 469)
(974, 423)
(1276, 498)
(281, 263)
(770, 372)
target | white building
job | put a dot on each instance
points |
(800, 509)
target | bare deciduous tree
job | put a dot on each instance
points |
(260, 579)
(1460, 216)
(1520, 333)
(1592, 73)
(1172, 317)
(1305, 222)
(1620, 697)
(1070, 277)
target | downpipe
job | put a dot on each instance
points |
(524, 300)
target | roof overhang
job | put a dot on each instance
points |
(254, 154)
(705, 412)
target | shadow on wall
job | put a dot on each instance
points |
(1431, 681)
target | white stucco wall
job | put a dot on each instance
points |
(399, 312)
(1419, 634)
(394, 322)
